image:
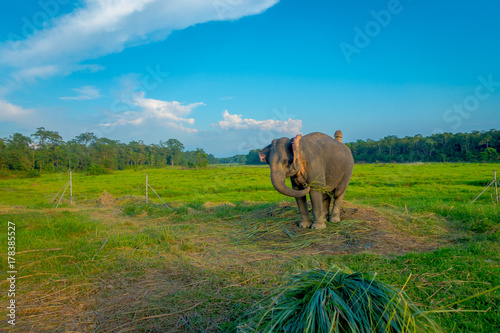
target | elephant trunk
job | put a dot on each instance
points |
(278, 181)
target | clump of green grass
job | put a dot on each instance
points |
(337, 300)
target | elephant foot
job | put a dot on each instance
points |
(305, 224)
(317, 225)
(335, 219)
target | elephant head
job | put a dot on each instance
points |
(283, 156)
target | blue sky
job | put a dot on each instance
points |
(231, 75)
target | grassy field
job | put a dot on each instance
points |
(111, 263)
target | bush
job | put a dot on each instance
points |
(33, 174)
(490, 155)
(337, 300)
(96, 170)
(11, 174)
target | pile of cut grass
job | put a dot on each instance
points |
(337, 300)
(276, 228)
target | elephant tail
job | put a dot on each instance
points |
(338, 135)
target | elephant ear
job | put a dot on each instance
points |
(295, 147)
(263, 154)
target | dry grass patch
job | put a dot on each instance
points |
(56, 305)
(106, 199)
(362, 229)
(209, 204)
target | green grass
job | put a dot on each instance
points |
(199, 266)
(172, 184)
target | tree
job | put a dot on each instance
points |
(105, 153)
(20, 152)
(486, 141)
(241, 159)
(79, 151)
(46, 143)
(86, 139)
(175, 149)
(212, 159)
(390, 143)
(490, 155)
(137, 152)
(428, 146)
(201, 158)
(3, 154)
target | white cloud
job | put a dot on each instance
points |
(181, 127)
(101, 27)
(236, 122)
(171, 114)
(84, 93)
(14, 113)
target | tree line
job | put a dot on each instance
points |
(477, 146)
(46, 151)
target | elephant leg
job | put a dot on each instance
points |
(317, 208)
(305, 221)
(326, 206)
(336, 207)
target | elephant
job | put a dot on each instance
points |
(316, 164)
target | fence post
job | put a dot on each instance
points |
(70, 188)
(152, 189)
(494, 181)
(496, 185)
